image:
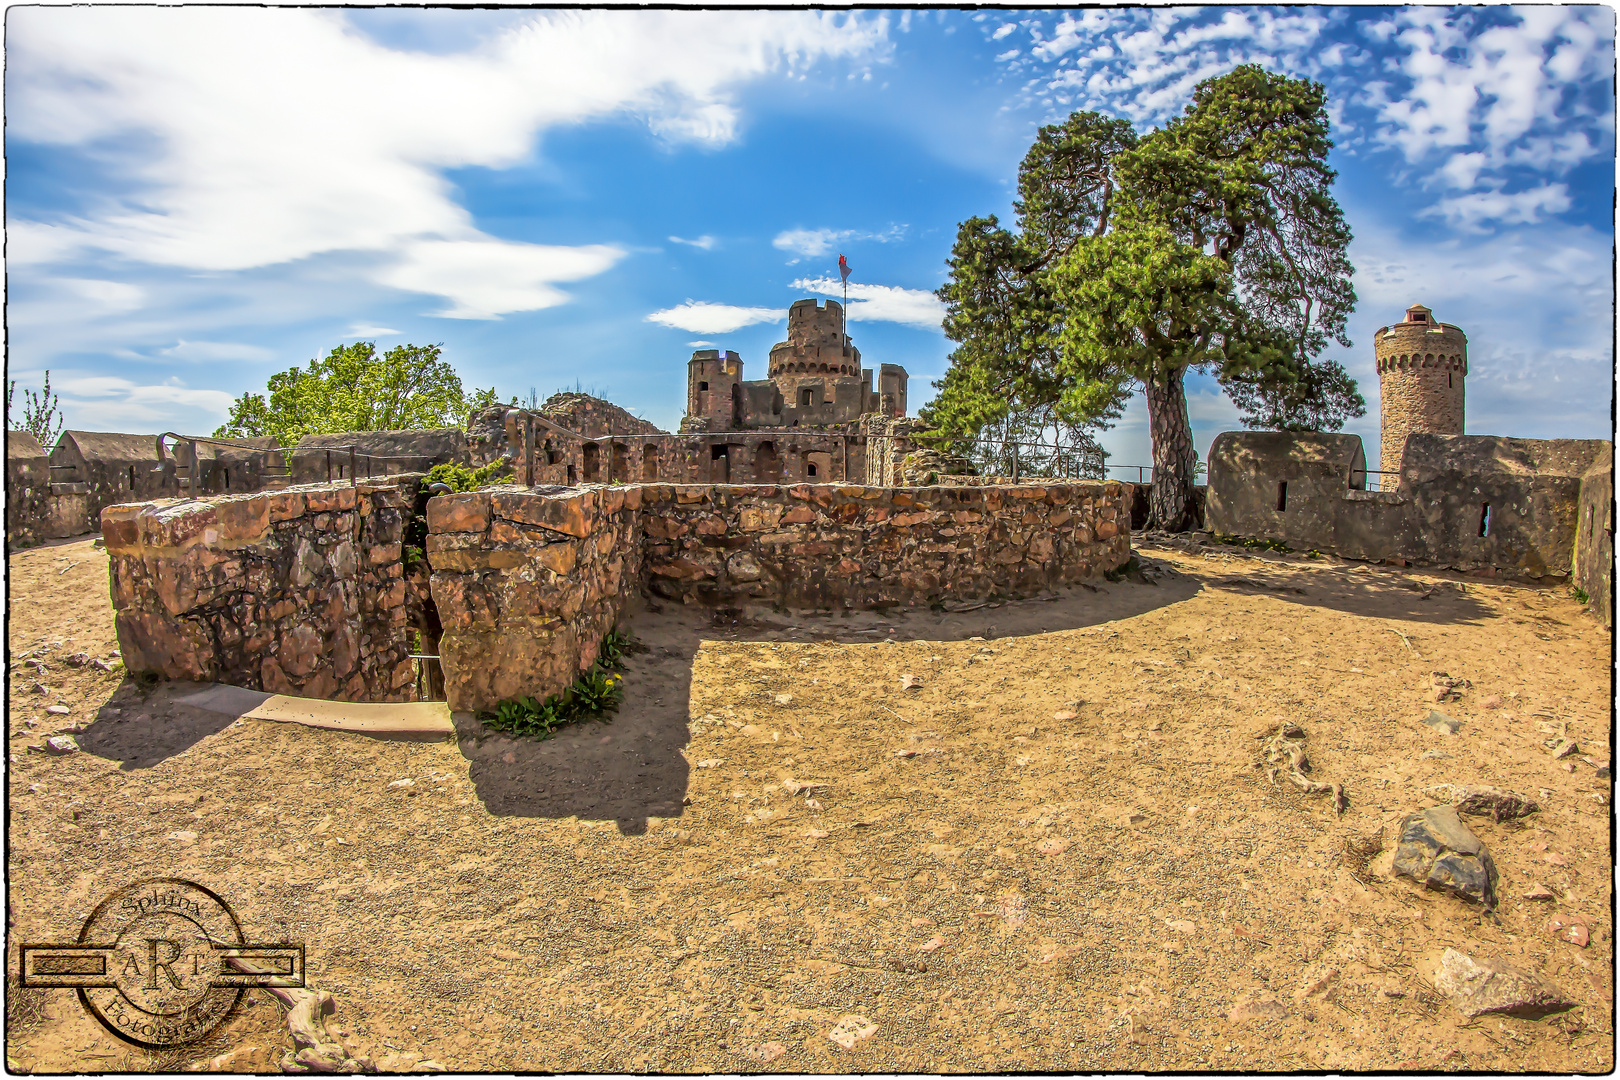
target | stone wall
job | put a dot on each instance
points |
(376, 453)
(298, 591)
(1475, 503)
(843, 547)
(526, 583)
(28, 489)
(1594, 539)
(593, 418)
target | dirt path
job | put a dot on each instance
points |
(978, 881)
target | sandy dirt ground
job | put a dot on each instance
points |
(1054, 853)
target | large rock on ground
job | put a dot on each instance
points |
(1477, 987)
(1437, 849)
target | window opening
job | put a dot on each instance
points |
(1282, 495)
(1484, 519)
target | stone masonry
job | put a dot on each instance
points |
(527, 582)
(1422, 366)
(299, 591)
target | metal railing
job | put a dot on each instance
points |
(1373, 479)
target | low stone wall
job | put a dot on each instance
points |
(837, 546)
(1594, 540)
(526, 584)
(1476, 503)
(298, 591)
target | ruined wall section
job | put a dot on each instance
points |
(526, 585)
(593, 417)
(848, 547)
(298, 591)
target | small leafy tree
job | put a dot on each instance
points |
(354, 389)
(42, 413)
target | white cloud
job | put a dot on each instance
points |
(217, 350)
(362, 330)
(1519, 208)
(812, 243)
(881, 303)
(702, 317)
(704, 242)
(1002, 58)
(701, 344)
(110, 297)
(1003, 30)
(485, 278)
(347, 153)
(110, 403)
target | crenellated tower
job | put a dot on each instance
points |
(1422, 365)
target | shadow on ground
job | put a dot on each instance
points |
(1374, 592)
(142, 725)
(631, 767)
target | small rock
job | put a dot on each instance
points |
(1064, 715)
(102, 665)
(1564, 748)
(709, 763)
(910, 682)
(763, 1052)
(908, 753)
(1494, 803)
(429, 1065)
(784, 699)
(1540, 892)
(1570, 928)
(1477, 987)
(1492, 702)
(77, 659)
(794, 787)
(1441, 722)
(1252, 1007)
(1437, 849)
(40, 688)
(61, 744)
(935, 942)
(1052, 845)
(58, 710)
(401, 783)
(852, 1029)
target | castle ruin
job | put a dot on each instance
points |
(1422, 365)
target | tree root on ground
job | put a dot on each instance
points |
(315, 1050)
(1284, 751)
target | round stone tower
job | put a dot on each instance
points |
(1422, 365)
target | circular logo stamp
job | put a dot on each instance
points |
(161, 963)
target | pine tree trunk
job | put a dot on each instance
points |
(1174, 461)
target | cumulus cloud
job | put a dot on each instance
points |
(348, 153)
(702, 317)
(704, 242)
(484, 278)
(811, 243)
(1475, 98)
(881, 303)
(1518, 208)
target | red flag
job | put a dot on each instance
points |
(843, 269)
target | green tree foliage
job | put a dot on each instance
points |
(354, 389)
(1212, 243)
(41, 415)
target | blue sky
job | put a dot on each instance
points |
(200, 197)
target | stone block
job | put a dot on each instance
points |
(462, 512)
(693, 493)
(319, 499)
(573, 514)
(173, 524)
(378, 554)
(284, 505)
(155, 642)
(558, 558)
(120, 528)
(757, 518)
